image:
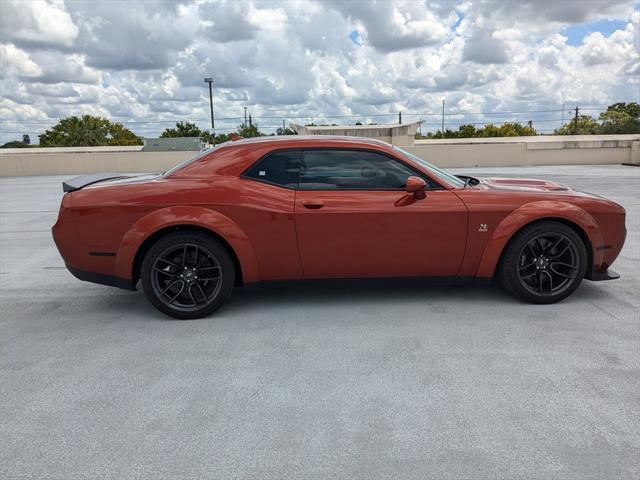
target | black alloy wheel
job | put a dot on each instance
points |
(187, 274)
(544, 262)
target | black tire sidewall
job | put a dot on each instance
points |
(509, 263)
(214, 246)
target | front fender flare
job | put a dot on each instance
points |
(187, 215)
(531, 212)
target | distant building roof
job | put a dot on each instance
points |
(396, 133)
(168, 144)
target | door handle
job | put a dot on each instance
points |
(313, 204)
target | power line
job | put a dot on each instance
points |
(311, 116)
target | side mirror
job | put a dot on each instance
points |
(416, 185)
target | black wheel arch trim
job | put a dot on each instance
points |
(576, 228)
(162, 232)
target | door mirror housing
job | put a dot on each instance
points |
(417, 186)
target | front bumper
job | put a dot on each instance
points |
(607, 274)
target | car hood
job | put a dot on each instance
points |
(523, 184)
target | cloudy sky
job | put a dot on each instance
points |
(142, 63)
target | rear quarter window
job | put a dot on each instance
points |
(277, 168)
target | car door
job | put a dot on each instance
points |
(354, 218)
(264, 210)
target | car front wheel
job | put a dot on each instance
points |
(187, 275)
(544, 262)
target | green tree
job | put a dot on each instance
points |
(88, 131)
(467, 131)
(490, 130)
(285, 131)
(621, 118)
(184, 129)
(248, 131)
(587, 125)
(515, 129)
(188, 129)
(15, 144)
(509, 129)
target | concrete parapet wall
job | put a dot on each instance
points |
(635, 153)
(548, 150)
(489, 152)
(70, 163)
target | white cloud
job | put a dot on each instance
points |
(18, 61)
(598, 49)
(38, 22)
(272, 20)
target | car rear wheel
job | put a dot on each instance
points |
(187, 275)
(544, 262)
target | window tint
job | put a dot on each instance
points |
(351, 169)
(280, 168)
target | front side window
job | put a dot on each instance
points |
(278, 168)
(438, 172)
(352, 170)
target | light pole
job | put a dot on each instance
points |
(209, 80)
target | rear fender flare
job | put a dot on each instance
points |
(187, 215)
(531, 212)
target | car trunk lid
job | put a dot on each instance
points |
(77, 183)
(81, 181)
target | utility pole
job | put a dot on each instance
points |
(250, 123)
(245, 115)
(209, 80)
(400, 118)
(443, 118)
(562, 115)
(283, 127)
(575, 120)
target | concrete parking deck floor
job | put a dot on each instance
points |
(373, 380)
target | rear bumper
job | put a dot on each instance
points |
(102, 279)
(95, 267)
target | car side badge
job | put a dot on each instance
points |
(483, 227)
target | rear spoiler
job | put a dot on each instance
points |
(76, 183)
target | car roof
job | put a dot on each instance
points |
(233, 157)
(302, 139)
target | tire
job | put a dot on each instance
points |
(187, 275)
(543, 263)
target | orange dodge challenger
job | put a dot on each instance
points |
(294, 207)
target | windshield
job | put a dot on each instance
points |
(438, 172)
(189, 160)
